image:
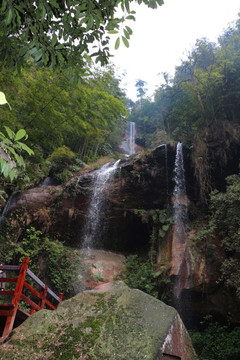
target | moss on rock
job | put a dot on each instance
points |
(122, 324)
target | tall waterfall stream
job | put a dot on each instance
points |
(93, 227)
(182, 266)
(128, 144)
(131, 137)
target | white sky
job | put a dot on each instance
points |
(162, 37)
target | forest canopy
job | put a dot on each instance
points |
(204, 91)
(89, 119)
(57, 32)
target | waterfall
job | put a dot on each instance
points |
(128, 144)
(9, 205)
(48, 181)
(181, 266)
(93, 227)
(180, 197)
(131, 137)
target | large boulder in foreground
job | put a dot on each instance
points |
(121, 324)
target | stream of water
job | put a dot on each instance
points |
(94, 222)
(180, 198)
(128, 144)
(182, 264)
(131, 137)
(9, 205)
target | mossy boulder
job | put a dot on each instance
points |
(121, 324)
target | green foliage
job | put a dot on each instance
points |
(149, 119)
(63, 114)
(141, 89)
(225, 208)
(204, 91)
(139, 274)
(63, 164)
(60, 33)
(203, 236)
(160, 221)
(61, 263)
(10, 149)
(10, 146)
(3, 99)
(216, 341)
(62, 155)
(88, 119)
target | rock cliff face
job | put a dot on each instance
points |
(141, 188)
(120, 324)
(139, 183)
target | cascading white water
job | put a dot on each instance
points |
(48, 181)
(128, 144)
(9, 205)
(180, 198)
(131, 138)
(181, 262)
(93, 226)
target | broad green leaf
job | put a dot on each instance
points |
(60, 57)
(12, 174)
(54, 3)
(23, 50)
(54, 39)
(19, 160)
(9, 16)
(6, 141)
(129, 30)
(43, 13)
(117, 43)
(32, 51)
(89, 23)
(5, 169)
(126, 34)
(125, 41)
(18, 18)
(4, 5)
(112, 32)
(20, 134)
(10, 150)
(131, 17)
(38, 55)
(26, 148)
(2, 162)
(10, 133)
(127, 5)
(3, 99)
(165, 227)
(60, 46)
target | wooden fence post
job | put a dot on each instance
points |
(60, 296)
(16, 297)
(44, 296)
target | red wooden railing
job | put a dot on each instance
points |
(12, 311)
